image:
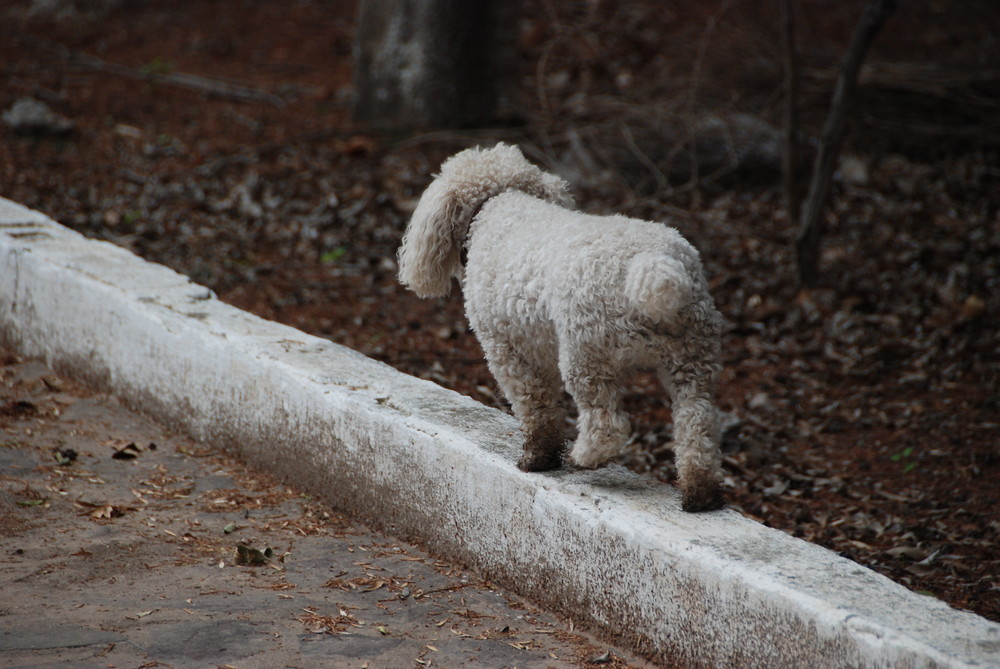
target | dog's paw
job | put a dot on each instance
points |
(539, 461)
(706, 497)
(588, 461)
(543, 450)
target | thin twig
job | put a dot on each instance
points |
(661, 179)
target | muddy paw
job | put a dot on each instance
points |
(539, 462)
(542, 450)
(702, 498)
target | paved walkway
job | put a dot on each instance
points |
(126, 546)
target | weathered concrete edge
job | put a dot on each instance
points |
(612, 549)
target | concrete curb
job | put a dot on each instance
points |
(608, 547)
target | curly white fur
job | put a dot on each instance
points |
(566, 301)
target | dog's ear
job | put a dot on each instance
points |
(430, 254)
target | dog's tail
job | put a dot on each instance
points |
(430, 254)
(658, 285)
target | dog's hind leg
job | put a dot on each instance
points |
(535, 394)
(602, 425)
(696, 439)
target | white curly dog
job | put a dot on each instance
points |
(562, 300)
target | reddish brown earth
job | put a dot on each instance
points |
(868, 409)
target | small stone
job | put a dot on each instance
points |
(28, 116)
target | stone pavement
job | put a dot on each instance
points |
(127, 546)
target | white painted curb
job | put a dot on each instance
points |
(608, 547)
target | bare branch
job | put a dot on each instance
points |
(811, 231)
(790, 148)
(215, 87)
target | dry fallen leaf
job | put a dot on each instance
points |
(252, 556)
(103, 510)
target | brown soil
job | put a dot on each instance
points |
(866, 410)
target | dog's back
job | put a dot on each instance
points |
(565, 265)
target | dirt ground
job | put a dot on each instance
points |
(128, 546)
(865, 410)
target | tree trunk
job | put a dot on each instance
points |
(433, 63)
(811, 230)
